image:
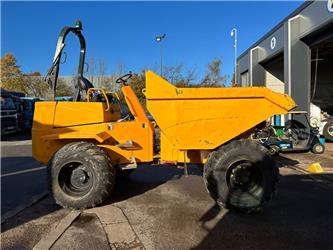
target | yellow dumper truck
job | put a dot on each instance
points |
(87, 142)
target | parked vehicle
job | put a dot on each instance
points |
(9, 122)
(20, 113)
(293, 137)
(28, 110)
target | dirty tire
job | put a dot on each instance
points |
(241, 176)
(328, 131)
(80, 175)
(318, 148)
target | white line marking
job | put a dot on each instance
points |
(23, 171)
(16, 143)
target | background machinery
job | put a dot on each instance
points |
(293, 137)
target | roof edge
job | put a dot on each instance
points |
(276, 27)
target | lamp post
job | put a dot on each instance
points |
(159, 40)
(234, 35)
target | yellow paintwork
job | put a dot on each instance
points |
(193, 121)
(205, 118)
(58, 123)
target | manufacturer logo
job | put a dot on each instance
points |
(330, 5)
(273, 42)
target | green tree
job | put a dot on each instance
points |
(11, 75)
(214, 77)
(138, 83)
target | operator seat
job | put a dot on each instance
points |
(82, 84)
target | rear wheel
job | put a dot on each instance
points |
(80, 175)
(241, 176)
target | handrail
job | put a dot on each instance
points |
(104, 94)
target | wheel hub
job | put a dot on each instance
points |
(79, 178)
(330, 130)
(240, 175)
(318, 148)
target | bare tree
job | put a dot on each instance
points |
(174, 73)
(190, 77)
(213, 75)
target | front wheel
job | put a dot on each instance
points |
(80, 175)
(241, 176)
(318, 148)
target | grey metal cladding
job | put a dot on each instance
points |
(268, 50)
(243, 64)
(313, 17)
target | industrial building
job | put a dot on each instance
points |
(295, 57)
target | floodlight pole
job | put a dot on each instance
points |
(234, 34)
(159, 40)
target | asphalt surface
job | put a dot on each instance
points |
(179, 214)
(22, 178)
(167, 210)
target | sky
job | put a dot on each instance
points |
(123, 33)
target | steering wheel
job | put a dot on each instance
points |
(123, 79)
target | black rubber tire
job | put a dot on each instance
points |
(326, 128)
(218, 181)
(95, 160)
(318, 148)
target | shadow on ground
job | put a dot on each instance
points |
(43, 208)
(143, 179)
(300, 217)
(19, 136)
(147, 177)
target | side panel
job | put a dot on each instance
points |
(170, 154)
(112, 137)
(42, 125)
(206, 124)
(139, 134)
(78, 113)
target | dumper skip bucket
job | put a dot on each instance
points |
(205, 118)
